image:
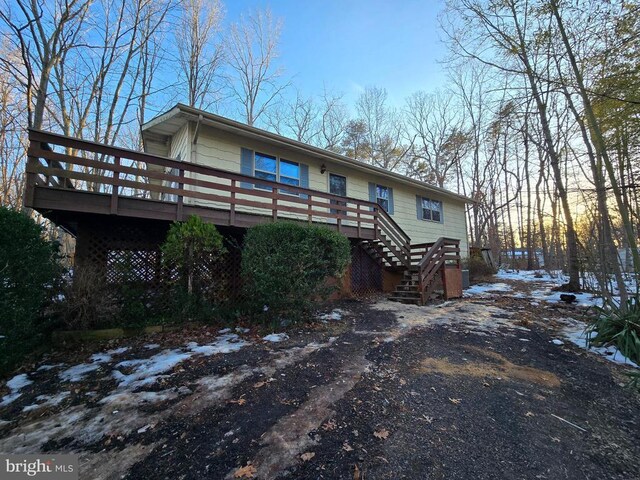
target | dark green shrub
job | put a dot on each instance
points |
(618, 325)
(30, 273)
(189, 247)
(285, 266)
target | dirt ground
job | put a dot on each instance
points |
(470, 389)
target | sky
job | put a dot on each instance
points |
(350, 44)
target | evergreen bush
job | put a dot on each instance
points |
(285, 267)
(30, 274)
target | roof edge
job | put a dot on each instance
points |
(272, 137)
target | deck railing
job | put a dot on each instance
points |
(60, 162)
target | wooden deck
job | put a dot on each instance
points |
(116, 200)
(67, 176)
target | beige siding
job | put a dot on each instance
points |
(181, 144)
(222, 150)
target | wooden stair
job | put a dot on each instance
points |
(420, 278)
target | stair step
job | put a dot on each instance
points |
(406, 293)
(405, 300)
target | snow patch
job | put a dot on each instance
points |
(152, 346)
(145, 371)
(77, 372)
(555, 341)
(118, 351)
(577, 335)
(47, 401)
(16, 384)
(486, 289)
(335, 315)
(227, 343)
(276, 337)
(582, 299)
(47, 367)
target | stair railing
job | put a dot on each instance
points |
(394, 238)
(435, 261)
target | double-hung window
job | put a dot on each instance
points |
(430, 209)
(276, 169)
(382, 197)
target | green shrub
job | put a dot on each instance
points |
(30, 273)
(285, 266)
(618, 325)
(189, 246)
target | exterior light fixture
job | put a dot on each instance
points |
(323, 168)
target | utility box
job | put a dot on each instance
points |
(465, 279)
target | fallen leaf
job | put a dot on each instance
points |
(428, 419)
(529, 414)
(259, 384)
(381, 434)
(555, 439)
(307, 456)
(347, 448)
(403, 381)
(376, 388)
(240, 401)
(356, 472)
(485, 384)
(248, 471)
(455, 401)
(330, 425)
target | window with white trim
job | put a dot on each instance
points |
(276, 169)
(431, 210)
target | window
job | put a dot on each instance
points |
(276, 170)
(382, 197)
(289, 174)
(266, 168)
(338, 186)
(431, 209)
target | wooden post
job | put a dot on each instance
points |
(114, 186)
(375, 222)
(359, 220)
(274, 204)
(309, 209)
(179, 214)
(232, 207)
(30, 184)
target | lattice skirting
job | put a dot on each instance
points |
(365, 272)
(125, 253)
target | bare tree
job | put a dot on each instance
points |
(333, 119)
(499, 35)
(12, 146)
(199, 49)
(297, 118)
(383, 129)
(439, 140)
(252, 48)
(43, 32)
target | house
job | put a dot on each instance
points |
(406, 235)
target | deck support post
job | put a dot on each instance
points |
(179, 213)
(232, 206)
(115, 187)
